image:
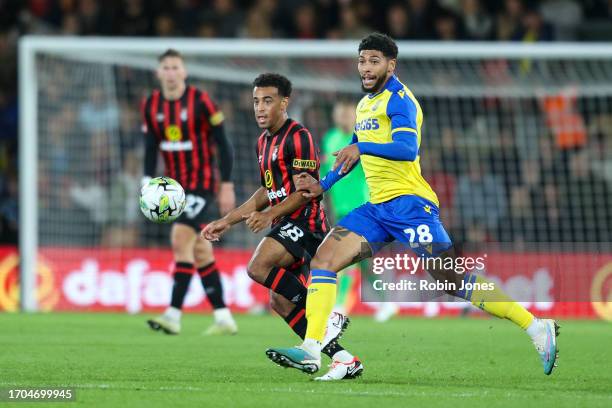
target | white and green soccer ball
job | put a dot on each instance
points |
(162, 199)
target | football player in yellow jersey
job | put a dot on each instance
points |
(402, 207)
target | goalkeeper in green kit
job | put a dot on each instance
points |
(345, 196)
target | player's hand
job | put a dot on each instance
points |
(346, 158)
(226, 198)
(257, 221)
(214, 230)
(308, 184)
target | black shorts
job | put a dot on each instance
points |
(296, 238)
(200, 209)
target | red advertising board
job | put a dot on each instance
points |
(140, 280)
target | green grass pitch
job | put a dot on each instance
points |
(115, 360)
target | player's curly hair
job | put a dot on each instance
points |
(379, 42)
(278, 81)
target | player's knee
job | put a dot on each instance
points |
(203, 255)
(182, 243)
(258, 271)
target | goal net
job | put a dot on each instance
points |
(516, 139)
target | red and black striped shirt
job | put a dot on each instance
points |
(291, 150)
(184, 131)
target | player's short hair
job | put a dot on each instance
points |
(278, 81)
(170, 53)
(379, 42)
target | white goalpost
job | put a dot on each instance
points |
(495, 113)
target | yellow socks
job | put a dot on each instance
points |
(319, 302)
(493, 300)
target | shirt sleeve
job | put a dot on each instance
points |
(151, 142)
(305, 154)
(403, 114)
(211, 111)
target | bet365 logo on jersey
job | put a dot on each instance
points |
(367, 124)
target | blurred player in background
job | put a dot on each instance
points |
(280, 262)
(344, 196)
(182, 123)
(402, 207)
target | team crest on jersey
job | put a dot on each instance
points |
(275, 153)
(376, 105)
(173, 133)
(160, 117)
(401, 93)
(184, 115)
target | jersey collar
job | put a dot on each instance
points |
(390, 82)
(281, 130)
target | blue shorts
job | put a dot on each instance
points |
(408, 219)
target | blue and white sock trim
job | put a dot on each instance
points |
(467, 294)
(323, 276)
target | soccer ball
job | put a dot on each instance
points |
(162, 199)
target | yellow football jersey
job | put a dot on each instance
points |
(379, 116)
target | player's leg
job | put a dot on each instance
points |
(347, 243)
(340, 249)
(183, 239)
(268, 268)
(276, 268)
(418, 223)
(496, 302)
(275, 265)
(211, 282)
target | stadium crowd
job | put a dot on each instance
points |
(560, 194)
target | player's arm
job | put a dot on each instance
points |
(151, 146)
(314, 188)
(257, 202)
(226, 196)
(302, 157)
(259, 220)
(404, 147)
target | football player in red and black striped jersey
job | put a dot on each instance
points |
(182, 123)
(285, 150)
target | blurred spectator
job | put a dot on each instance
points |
(185, 18)
(509, 20)
(447, 26)
(505, 160)
(398, 22)
(257, 25)
(350, 26)
(164, 26)
(564, 15)
(533, 28)
(564, 120)
(124, 212)
(92, 21)
(133, 18)
(304, 25)
(422, 13)
(98, 113)
(223, 19)
(585, 202)
(480, 197)
(477, 23)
